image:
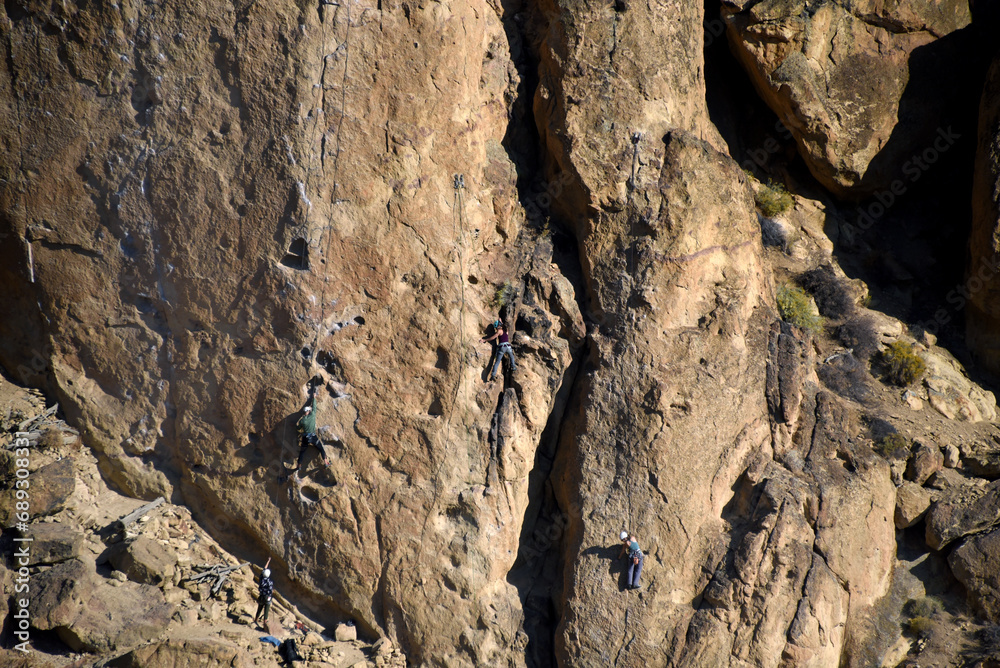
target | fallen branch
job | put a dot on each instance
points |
(219, 572)
(295, 613)
(44, 414)
(139, 512)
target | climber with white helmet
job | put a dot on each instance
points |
(265, 589)
(306, 429)
(630, 546)
(503, 347)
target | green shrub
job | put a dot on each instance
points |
(891, 443)
(919, 613)
(903, 366)
(919, 626)
(928, 606)
(796, 308)
(773, 199)
(503, 295)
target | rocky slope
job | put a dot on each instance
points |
(211, 207)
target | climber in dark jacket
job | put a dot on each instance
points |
(306, 429)
(265, 590)
(630, 546)
(503, 347)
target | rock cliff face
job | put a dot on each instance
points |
(211, 207)
(213, 204)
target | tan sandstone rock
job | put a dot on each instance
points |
(90, 615)
(956, 516)
(144, 560)
(974, 564)
(173, 653)
(912, 502)
(925, 461)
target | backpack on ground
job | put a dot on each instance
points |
(289, 652)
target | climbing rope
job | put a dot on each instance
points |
(336, 161)
(628, 424)
(458, 226)
(459, 222)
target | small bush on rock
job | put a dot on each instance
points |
(796, 309)
(891, 443)
(919, 626)
(903, 366)
(773, 200)
(503, 295)
(928, 606)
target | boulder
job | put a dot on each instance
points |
(346, 632)
(178, 652)
(12, 658)
(145, 560)
(51, 487)
(953, 483)
(54, 542)
(912, 502)
(312, 638)
(976, 564)
(954, 517)
(861, 86)
(952, 456)
(951, 392)
(983, 462)
(925, 462)
(90, 615)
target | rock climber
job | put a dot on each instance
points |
(306, 429)
(503, 347)
(265, 589)
(630, 546)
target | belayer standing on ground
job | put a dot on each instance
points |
(264, 591)
(630, 546)
(306, 429)
(503, 347)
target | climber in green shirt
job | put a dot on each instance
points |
(306, 429)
